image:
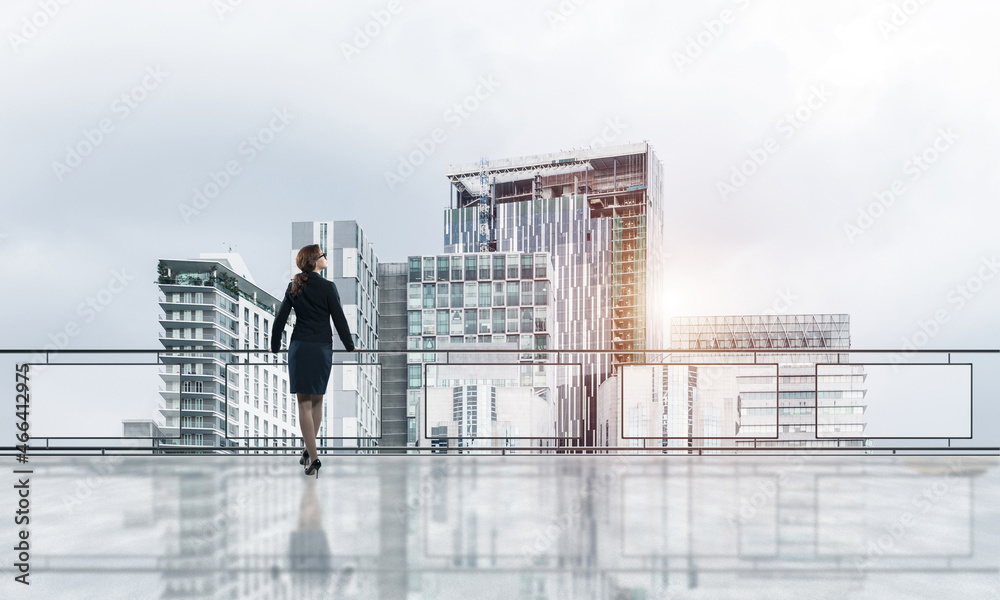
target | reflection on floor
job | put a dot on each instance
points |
(539, 527)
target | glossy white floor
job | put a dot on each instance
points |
(567, 527)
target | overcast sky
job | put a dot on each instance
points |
(113, 114)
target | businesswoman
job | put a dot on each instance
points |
(310, 349)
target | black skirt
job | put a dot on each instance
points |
(309, 365)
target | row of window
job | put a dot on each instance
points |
(851, 394)
(472, 295)
(477, 321)
(478, 267)
(805, 379)
(804, 410)
(803, 428)
(525, 376)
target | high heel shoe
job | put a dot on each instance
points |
(305, 458)
(313, 468)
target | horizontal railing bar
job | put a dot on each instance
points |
(290, 450)
(172, 352)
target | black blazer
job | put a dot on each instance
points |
(318, 302)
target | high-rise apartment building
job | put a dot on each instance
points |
(351, 411)
(220, 400)
(599, 214)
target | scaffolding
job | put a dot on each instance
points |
(628, 284)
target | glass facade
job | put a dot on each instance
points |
(599, 214)
(478, 299)
(780, 404)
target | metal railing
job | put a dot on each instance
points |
(580, 441)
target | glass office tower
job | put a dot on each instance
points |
(599, 213)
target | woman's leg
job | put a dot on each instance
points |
(317, 411)
(306, 424)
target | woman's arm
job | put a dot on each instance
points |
(339, 320)
(280, 319)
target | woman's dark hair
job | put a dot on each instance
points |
(306, 262)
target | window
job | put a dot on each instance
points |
(456, 268)
(427, 327)
(484, 320)
(413, 295)
(428, 268)
(512, 266)
(499, 320)
(456, 295)
(414, 269)
(484, 267)
(498, 267)
(527, 323)
(413, 343)
(428, 296)
(470, 293)
(540, 266)
(526, 293)
(470, 321)
(443, 322)
(513, 290)
(541, 342)
(541, 293)
(484, 294)
(541, 314)
(413, 320)
(498, 294)
(442, 295)
(511, 320)
(456, 323)
(470, 268)
(442, 268)
(527, 267)
(412, 402)
(413, 377)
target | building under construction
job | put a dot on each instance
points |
(599, 213)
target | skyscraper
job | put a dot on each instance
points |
(351, 412)
(599, 213)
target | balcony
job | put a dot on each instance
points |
(650, 515)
